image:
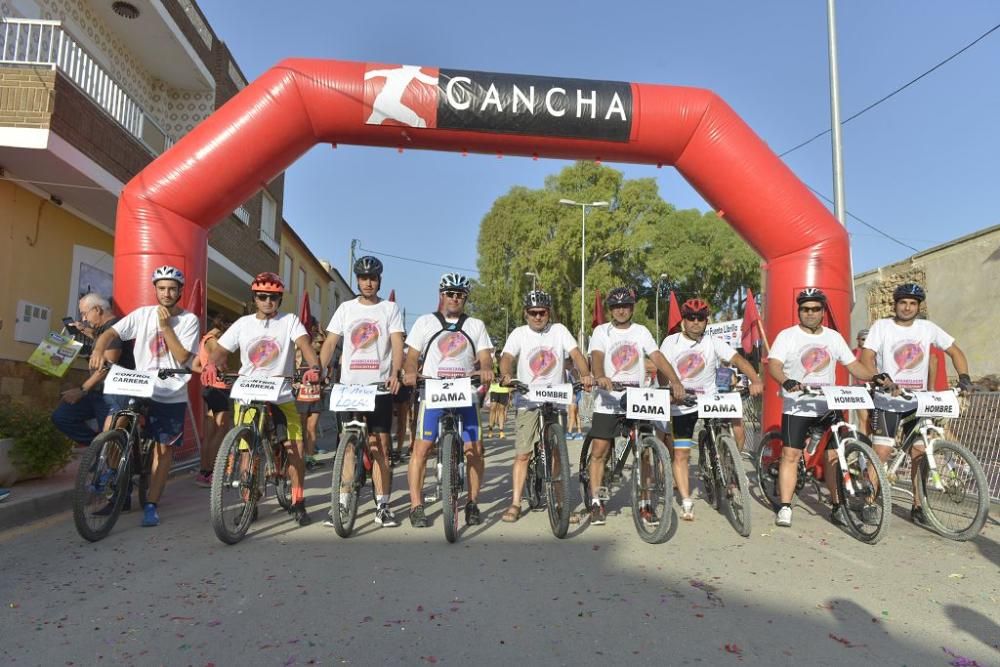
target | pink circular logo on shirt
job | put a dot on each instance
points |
(452, 344)
(907, 355)
(690, 364)
(158, 346)
(262, 352)
(624, 357)
(541, 362)
(815, 360)
(365, 334)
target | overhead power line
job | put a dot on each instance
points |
(866, 224)
(898, 90)
(418, 261)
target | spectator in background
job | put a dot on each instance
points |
(80, 405)
(218, 408)
(861, 415)
(310, 410)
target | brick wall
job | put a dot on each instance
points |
(23, 383)
(27, 96)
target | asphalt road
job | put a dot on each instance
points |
(504, 593)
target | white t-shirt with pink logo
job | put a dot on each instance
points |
(267, 346)
(812, 360)
(541, 356)
(904, 353)
(625, 352)
(151, 354)
(365, 330)
(695, 363)
(450, 354)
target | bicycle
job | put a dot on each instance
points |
(237, 473)
(104, 479)
(652, 482)
(351, 468)
(949, 476)
(720, 468)
(860, 476)
(549, 468)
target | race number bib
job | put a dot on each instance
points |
(560, 394)
(456, 393)
(728, 405)
(848, 398)
(353, 398)
(249, 388)
(125, 382)
(642, 403)
(936, 404)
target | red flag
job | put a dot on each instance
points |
(598, 310)
(752, 324)
(392, 295)
(305, 313)
(941, 376)
(673, 315)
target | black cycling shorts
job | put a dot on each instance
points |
(604, 427)
(216, 400)
(380, 419)
(682, 426)
(794, 428)
(885, 423)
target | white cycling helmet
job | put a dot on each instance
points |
(453, 282)
(167, 272)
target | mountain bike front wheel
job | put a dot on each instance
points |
(450, 449)
(734, 490)
(102, 484)
(557, 475)
(868, 509)
(345, 484)
(236, 484)
(956, 508)
(652, 491)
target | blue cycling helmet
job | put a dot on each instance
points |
(909, 291)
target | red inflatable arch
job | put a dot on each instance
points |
(166, 211)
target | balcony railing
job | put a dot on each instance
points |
(46, 44)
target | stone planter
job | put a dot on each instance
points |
(8, 473)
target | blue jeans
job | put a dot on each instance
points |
(71, 419)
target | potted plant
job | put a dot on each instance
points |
(30, 445)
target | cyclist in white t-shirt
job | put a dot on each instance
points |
(450, 343)
(900, 347)
(267, 341)
(806, 355)
(540, 348)
(372, 331)
(164, 335)
(617, 354)
(695, 357)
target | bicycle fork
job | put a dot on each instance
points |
(849, 484)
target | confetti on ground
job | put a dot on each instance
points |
(734, 649)
(960, 660)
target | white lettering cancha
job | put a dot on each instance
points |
(812, 360)
(151, 353)
(904, 353)
(451, 353)
(625, 352)
(695, 364)
(365, 330)
(541, 356)
(460, 102)
(267, 347)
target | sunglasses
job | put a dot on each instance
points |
(810, 309)
(455, 295)
(696, 318)
(267, 296)
(537, 313)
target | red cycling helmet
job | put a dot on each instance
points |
(267, 282)
(696, 307)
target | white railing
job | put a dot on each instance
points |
(46, 44)
(242, 214)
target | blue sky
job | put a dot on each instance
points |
(921, 166)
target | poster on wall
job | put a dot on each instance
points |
(55, 354)
(93, 279)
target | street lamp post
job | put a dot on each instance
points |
(656, 301)
(506, 324)
(534, 279)
(583, 252)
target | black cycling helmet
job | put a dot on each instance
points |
(368, 266)
(620, 296)
(811, 294)
(909, 291)
(538, 299)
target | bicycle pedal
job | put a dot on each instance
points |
(603, 494)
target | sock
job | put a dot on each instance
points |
(382, 500)
(783, 505)
(344, 497)
(595, 502)
(298, 496)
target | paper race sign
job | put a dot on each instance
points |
(848, 398)
(936, 403)
(353, 398)
(125, 382)
(729, 405)
(249, 388)
(642, 403)
(560, 394)
(456, 393)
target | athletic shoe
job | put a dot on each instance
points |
(384, 517)
(4, 494)
(783, 517)
(150, 517)
(472, 517)
(647, 514)
(598, 514)
(312, 463)
(417, 517)
(102, 480)
(300, 514)
(204, 480)
(869, 515)
(838, 515)
(343, 518)
(917, 516)
(687, 509)
(502, 436)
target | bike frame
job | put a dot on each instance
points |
(926, 430)
(257, 415)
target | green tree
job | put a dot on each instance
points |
(631, 244)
